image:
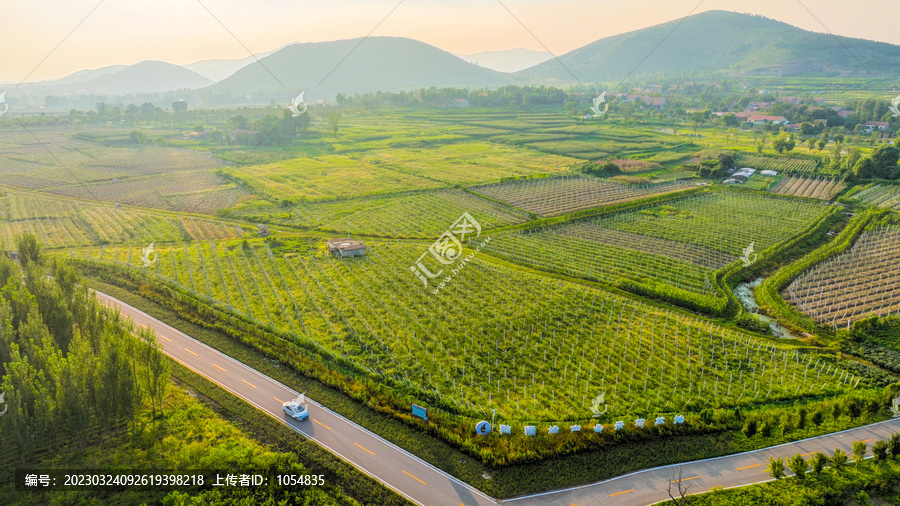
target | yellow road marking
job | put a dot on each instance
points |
(142, 325)
(747, 467)
(620, 493)
(413, 477)
(366, 449)
(805, 454)
(166, 338)
(865, 440)
(251, 384)
(191, 352)
(322, 424)
(218, 367)
(685, 479)
(279, 400)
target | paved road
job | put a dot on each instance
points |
(399, 470)
(651, 485)
(424, 484)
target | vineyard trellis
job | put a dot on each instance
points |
(791, 165)
(818, 187)
(884, 196)
(680, 244)
(860, 282)
(58, 222)
(564, 194)
(486, 341)
(418, 214)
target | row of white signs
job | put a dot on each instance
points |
(484, 427)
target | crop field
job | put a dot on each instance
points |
(470, 163)
(325, 177)
(627, 165)
(813, 187)
(858, 283)
(886, 196)
(532, 347)
(53, 156)
(412, 214)
(679, 244)
(200, 191)
(59, 222)
(548, 132)
(792, 165)
(560, 195)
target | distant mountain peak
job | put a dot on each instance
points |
(348, 66)
(719, 42)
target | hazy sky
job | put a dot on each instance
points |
(183, 31)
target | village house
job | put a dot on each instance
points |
(871, 126)
(657, 103)
(757, 106)
(762, 119)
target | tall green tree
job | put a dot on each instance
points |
(776, 468)
(838, 459)
(798, 466)
(334, 120)
(28, 249)
(864, 168)
(817, 463)
(885, 158)
(859, 451)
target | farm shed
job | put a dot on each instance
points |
(346, 247)
(768, 173)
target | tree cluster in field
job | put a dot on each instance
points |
(269, 131)
(881, 164)
(711, 167)
(70, 368)
(504, 96)
(607, 169)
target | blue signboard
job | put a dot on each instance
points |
(420, 412)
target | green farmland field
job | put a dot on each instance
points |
(680, 244)
(60, 222)
(412, 214)
(532, 347)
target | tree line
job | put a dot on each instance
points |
(71, 369)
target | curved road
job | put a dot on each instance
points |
(422, 483)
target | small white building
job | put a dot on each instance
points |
(871, 126)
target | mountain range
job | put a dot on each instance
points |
(718, 43)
